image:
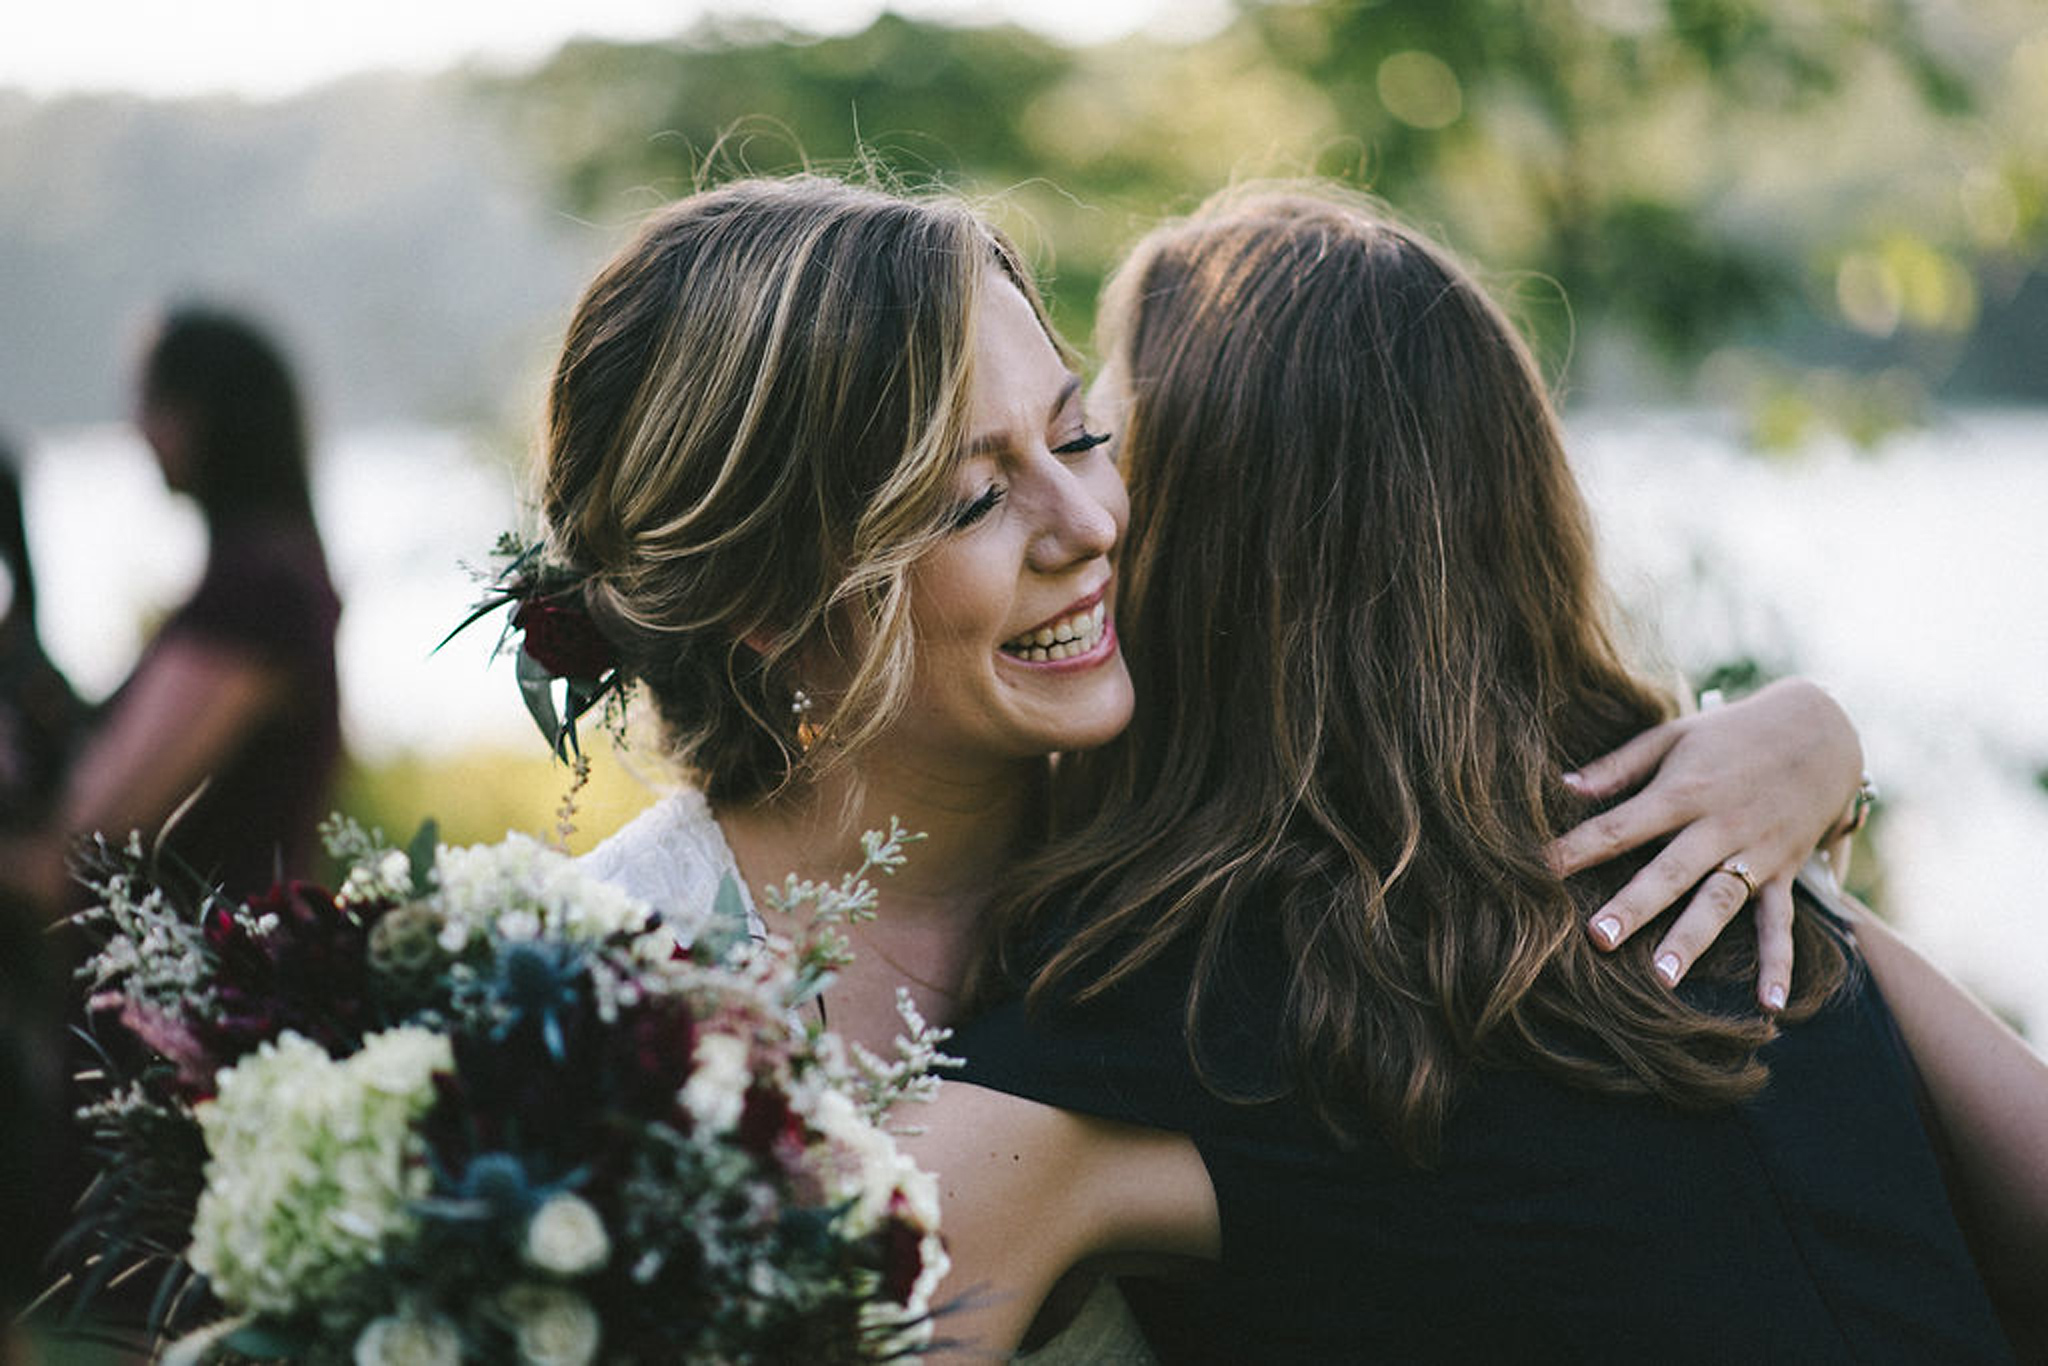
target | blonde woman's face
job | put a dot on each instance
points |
(1015, 612)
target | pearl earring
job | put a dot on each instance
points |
(807, 730)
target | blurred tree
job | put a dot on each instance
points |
(1590, 139)
(1660, 171)
(625, 125)
(913, 96)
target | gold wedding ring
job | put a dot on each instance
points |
(1735, 867)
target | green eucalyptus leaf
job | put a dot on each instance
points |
(483, 609)
(268, 1341)
(537, 686)
(425, 841)
(809, 985)
(579, 696)
(728, 927)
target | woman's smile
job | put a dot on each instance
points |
(1016, 613)
(1079, 637)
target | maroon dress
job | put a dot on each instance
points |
(265, 594)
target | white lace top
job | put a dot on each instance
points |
(673, 856)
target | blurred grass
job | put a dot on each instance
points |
(479, 794)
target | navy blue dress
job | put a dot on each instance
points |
(1561, 1225)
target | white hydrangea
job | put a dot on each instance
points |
(523, 888)
(311, 1166)
(409, 1340)
(553, 1325)
(519, 926)
(566, 1236)
(716, 1093)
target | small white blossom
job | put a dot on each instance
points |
(881, 1084)
(401, 1062)
(920, 1190)
(566, 1236)
(409, 1340)
(554, 1326)
(868, 1164)
(716, 1092)
(519, 926)
(386, 876)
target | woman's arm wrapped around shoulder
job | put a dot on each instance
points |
(1028, 1190)
(1989, 1094)
(1747, 791)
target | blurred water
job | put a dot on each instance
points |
(1911, 580)
(402, 510)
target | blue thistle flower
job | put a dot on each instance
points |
(538, 982)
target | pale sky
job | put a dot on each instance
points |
(262, 48)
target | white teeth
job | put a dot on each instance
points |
(1062, 639)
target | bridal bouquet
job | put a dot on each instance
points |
(478, 1106)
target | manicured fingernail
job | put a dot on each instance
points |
(1774, 996)
(1575, 781)
(1667, 968)
(1607, 930)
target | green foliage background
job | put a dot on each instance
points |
(1848, 184)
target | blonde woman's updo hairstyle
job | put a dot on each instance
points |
(751, 436)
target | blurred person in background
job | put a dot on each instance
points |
(41, 717)
(228, 731)
(32, 1132)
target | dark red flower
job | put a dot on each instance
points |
(902, 1254)
(653, 1057)
(307, 972)
(222, 929)
(766, 1120)
(563, 639)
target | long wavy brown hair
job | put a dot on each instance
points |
(1356, 711)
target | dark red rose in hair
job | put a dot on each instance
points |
(563, 639)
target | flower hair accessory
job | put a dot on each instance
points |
(558, 641)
